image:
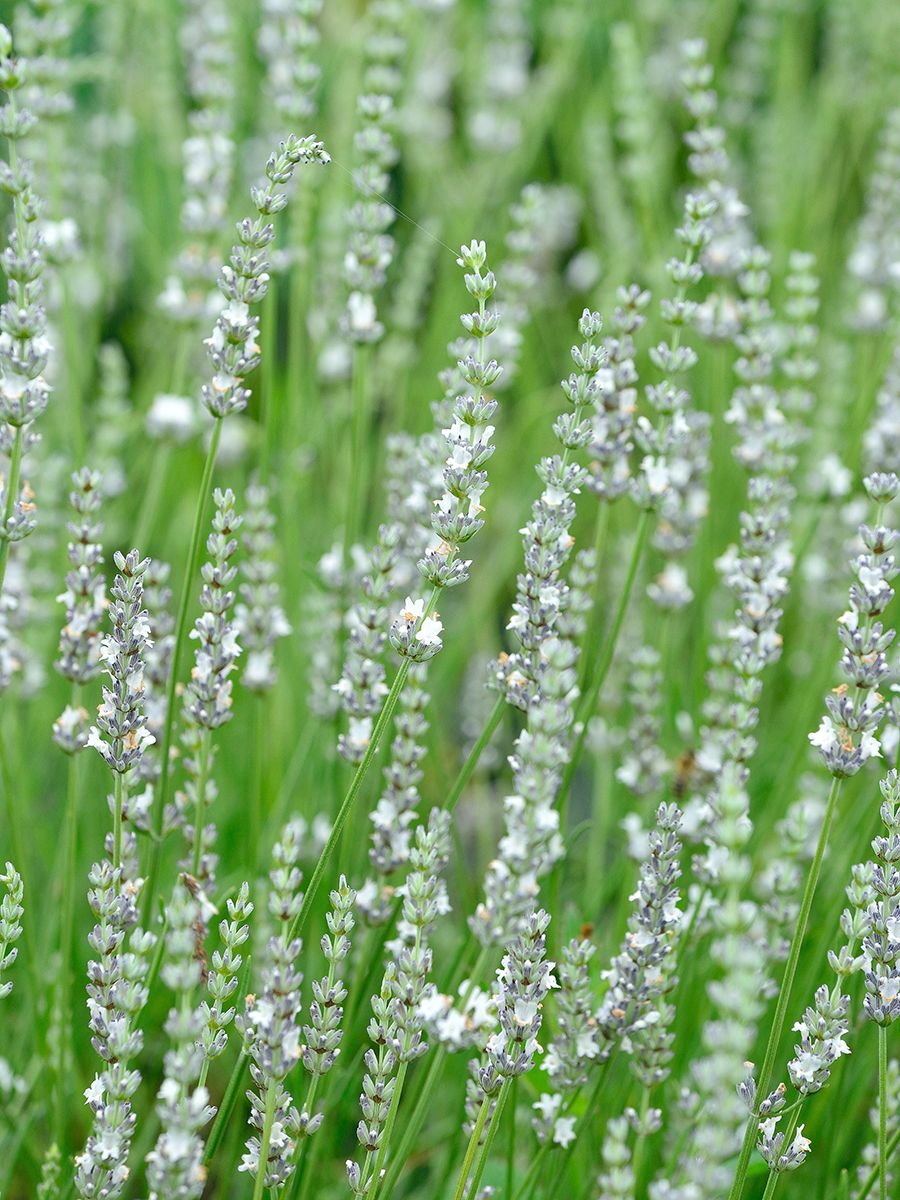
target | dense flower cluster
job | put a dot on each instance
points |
(121, 716)
(468, 437)
(397, 1023)
(244, 281)
(371, 248)
(117, 992)
(85, 602)
(208, 155)
(288, 36)
(637, 977)
(270, 1027)
(175, 1164)
(259, 617)
(24, 348)
(846, 736)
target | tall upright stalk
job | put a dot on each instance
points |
(784, 993)
(181, 623)
(882, 1112)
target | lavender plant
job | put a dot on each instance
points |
(616, 916)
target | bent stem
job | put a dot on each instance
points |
(162, 787)
(784, 994)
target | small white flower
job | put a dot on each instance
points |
(172, 417)
(800, 1144)
(429, 632)
(564, 1131)
(412, 610)
(825, 737)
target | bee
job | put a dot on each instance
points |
(685, 765)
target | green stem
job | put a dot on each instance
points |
(771, 1185)
(511, 1142)
(200, 801)
(882, 1111)
(601, 526)
(637, 1159)
(388, 1130)
(265, 1140)
(156, 478)
(422, 1100)
(12, 494)
(384, 718)
(872, 1178)
(66, 934)
(162, 787)
(355, 488)
(532, 1173)
(472, 1148)
(118, 805)
(491, 1134)
(598, 675)
(468, 768)
(784, 994)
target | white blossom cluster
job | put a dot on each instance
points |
(85, 601)
(288, 37)
(208, 157)
(847, 734)
(616, 400)
(117, 993)
(540, 678)
(244, 281)
(398, 1024)
(121, 735)
(24, 348)
(371, 247)
(874, 262)
(259, 617)
(175, 1164)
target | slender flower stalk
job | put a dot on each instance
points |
(271, 1033)
(79, 662)
(233, 354)
(24, 349)
(117, 979)
(846, 738)
(396, 1027)
(523, 981)
(175, 1164)
(415, 633)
